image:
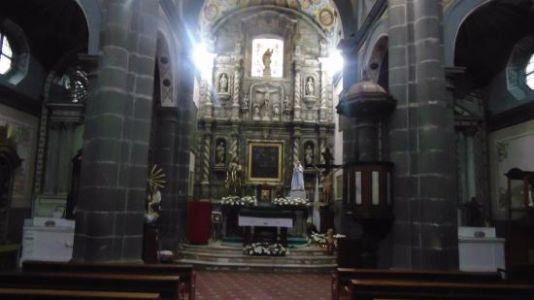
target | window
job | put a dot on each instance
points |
(270, 51)
(6, 55)
(529, 71)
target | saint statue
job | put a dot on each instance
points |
(267, 62)
(223, 83)
(220, 153)
(297, 181)
(233, 177)
(308, 155)
(310, 87)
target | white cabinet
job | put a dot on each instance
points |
(480, 250)
(47, 239)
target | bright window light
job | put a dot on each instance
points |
(333, 63)
(529, 70)
(203, 60)
(259, 48)
(6, 55)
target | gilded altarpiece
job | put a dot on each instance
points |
(238, 110)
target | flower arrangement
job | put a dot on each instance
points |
(265, 249)
(293, 201)
(317, 238)
(236, 200)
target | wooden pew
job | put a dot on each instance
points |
(166, 285)
(341, 280)
(370, 289)
(186, 273)
(49, 294)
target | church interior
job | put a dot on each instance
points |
(383, 148)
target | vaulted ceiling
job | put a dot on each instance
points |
(206, 12)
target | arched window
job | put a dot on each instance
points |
(270, 51)
(6, 54)
(529, 71)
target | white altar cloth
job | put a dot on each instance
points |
(265, 221)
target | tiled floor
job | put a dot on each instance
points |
(262, 286)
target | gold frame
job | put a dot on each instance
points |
(280, 147)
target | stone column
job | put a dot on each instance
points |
(166, 147)
(422, 139)
(298, 91)
(187, 130)
(111, 207)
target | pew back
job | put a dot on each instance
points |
(368, 289)
(49, 294)
(184, 271)
(342, 279)
(166, 285)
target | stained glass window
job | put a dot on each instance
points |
(267, 53)
(6, 55)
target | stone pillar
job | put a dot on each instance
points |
(165, 158)
(111, 207)
(206, 151)
(298, 91)
(422, 139)
(187, 130)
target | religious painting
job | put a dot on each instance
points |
(265, 162)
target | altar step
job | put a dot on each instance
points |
(217, 256)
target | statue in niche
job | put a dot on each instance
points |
(76, 83)
(256, 111)
(276, 110)
(267, 62)
(220, 153)
(287, 108)
(244, 104)
(310, 87)
(308, 155)
(223, 83)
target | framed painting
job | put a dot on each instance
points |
(265, 162)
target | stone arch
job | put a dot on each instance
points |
(167, 61)
(93, 17)
(376, 63)
(453, 19)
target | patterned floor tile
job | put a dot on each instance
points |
(262, 286)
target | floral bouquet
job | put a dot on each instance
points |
(265, 249)
(292, 201)
(236, 200)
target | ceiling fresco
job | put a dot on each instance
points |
(323, 12)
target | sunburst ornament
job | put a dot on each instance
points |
(156, 178)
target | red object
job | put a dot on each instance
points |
(198, 222)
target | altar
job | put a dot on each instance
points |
(263, 223)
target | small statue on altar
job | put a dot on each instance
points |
(156, 181)
(233, 177)
(330, 241)
(297, 181)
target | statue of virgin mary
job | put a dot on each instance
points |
(297, 181)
